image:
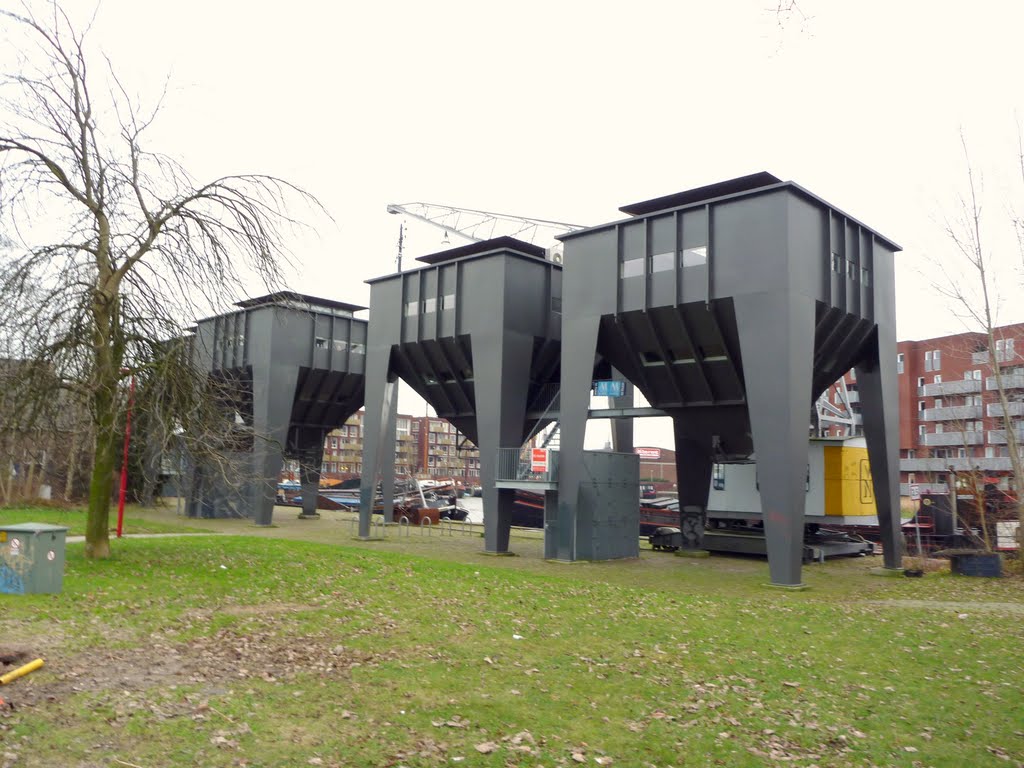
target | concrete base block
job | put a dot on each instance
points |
(310, 516)
(498, 554)
(368, 538)
(692, 553)
(789, 587)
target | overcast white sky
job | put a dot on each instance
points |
(567, 110)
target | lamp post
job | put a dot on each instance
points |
(124, 461)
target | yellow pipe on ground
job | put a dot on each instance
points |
(14, 674)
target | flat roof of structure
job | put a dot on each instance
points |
(484, 246)
(742, 186)
(291, 297)
(700, 194)
(505, 244)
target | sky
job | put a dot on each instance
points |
(568, 110)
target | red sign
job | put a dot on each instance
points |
(648, 454)
(539, 460)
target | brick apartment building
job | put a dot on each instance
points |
(426, 447)
(951, 421)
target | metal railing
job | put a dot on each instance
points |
(959, 464)
(952, 413)
(518, 464)
(1010, 381)
(954, 387)
(1012, 409)
(953, 438)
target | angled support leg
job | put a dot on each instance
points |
(579, 344)
(776, 332)
(311, 456)
(273, 393)
(693, 470)
(378, 360)
(501, 366)
(877, 384)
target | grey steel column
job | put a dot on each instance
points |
(622, 429)
(877, 385)
(550, 524)
(311, 456)
(502, 375)
(374, 430)
(776, 333)
(386, 450)
(693, 473)
(273, 392)
(579, 343)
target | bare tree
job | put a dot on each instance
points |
(116, 246)
(976, 300)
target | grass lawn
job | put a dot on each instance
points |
(249, 651)
(75, 520)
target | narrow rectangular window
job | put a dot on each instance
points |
(663, 262)
(694, 257)
(899, 363)
(631, 268)
(718, 477)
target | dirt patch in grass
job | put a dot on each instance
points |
(980, 606)
(214, 661)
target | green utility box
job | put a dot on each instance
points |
(31, 558)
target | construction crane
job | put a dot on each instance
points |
(835, 409)
(475, 226)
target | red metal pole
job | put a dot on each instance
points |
(124, 460)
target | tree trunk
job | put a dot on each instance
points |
(97, 526)
(105, 455)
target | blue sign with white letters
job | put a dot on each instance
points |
(609, 388)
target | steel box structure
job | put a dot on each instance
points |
(732, 307)
(476, 334)
(292, 367)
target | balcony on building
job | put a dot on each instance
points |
(1002, 355)
(1015, 408)
(954, 438)
(952, 413)
(955, 387)
(1010, 381)
(998, 436)
(964, 464)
